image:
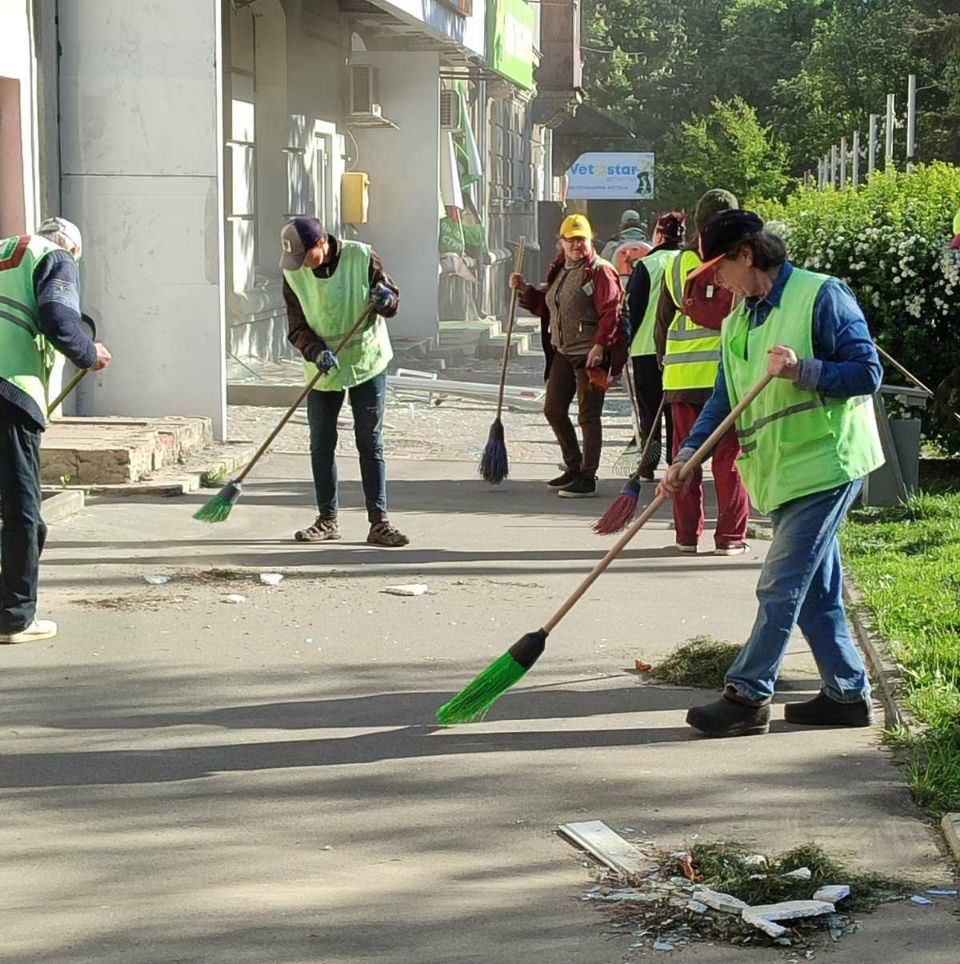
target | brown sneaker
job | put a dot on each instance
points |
(383, 534)
(324, 529)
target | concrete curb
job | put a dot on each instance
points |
(951, 830)
(883, 671)
(62, 505)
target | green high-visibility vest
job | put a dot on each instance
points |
(656, 263)
(26, 357)
(331, 306)
(794, 441)
(693, 352)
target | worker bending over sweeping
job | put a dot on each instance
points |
(807, 440)
(328, 283)
(39, 315)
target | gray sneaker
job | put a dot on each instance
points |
(325, 529)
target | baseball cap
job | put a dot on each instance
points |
(575, 226)
(721, 235)
(629, 217)
(64, 233)
(297, 237)
(712, 203)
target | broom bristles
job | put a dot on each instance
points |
(627, 461)
(219, 507)
(621, 511)
(473, 702)
(494, 464)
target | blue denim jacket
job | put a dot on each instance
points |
(845, 361)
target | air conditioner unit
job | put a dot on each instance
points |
(450, 119)
(362, 93)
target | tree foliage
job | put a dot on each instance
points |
(810, 71)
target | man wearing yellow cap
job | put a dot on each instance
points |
(39, 315)
(579, 309)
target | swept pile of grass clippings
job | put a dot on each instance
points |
(701, 662)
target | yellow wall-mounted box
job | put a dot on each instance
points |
(354, 197)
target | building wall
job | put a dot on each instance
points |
(18, 135)
(285, 154)
(404, 180)
(141, 157)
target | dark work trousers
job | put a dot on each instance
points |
(23, 534)
(568, 379)
(648, 381)
(367, 401)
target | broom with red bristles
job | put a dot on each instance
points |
(494, 464)
(625, 504)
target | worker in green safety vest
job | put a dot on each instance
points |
(690, 352)
(642, 298)
(39, 316)
(328, 283)
(808, 440)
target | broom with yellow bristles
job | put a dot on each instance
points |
(221, 505)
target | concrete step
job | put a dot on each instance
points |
(116, 451)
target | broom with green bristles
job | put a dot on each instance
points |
(473, 702)
(220, 506)
(628, 462)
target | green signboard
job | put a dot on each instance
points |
(510, 40)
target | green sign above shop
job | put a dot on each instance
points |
(510, 40)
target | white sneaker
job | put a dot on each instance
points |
(690, 550)
(38, 629)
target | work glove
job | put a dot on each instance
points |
(381, 297)
(325, 360)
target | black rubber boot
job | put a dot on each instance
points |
(729, 717)
(823, 711)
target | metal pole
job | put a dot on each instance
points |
(872, 146)
(833, 165)
(856, 160)
(911, 119)
(843, 162)
(890, 121)
(820, 177)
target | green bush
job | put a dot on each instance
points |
(888, 241)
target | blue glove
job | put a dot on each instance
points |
(325, 360)
(381, 297)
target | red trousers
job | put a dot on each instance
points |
(733, 503)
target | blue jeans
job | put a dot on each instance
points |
(23, 534)
(367, 401)
(801, 585)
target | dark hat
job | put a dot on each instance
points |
(712, 203)
(722, 234)
(298, 237)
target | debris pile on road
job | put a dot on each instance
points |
(725, 893)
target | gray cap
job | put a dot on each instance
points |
(63, 232)
(297, 238)
(712, 203)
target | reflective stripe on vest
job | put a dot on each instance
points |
(331, 306)
(25, 355)
(656, 265)
(794, 442)
(692, 352)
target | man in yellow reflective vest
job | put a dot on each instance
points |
(808, 440)
(39, 315)
(690, 352)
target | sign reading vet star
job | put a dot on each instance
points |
(611, 175)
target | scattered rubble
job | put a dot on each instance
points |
(722, 893)
(271, 578)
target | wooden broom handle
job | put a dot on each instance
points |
(655, 430)
(631, 392)
(916, 381)
(313, 381)
(517, 268)
(692, 463)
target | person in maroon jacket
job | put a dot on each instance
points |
(583, 342)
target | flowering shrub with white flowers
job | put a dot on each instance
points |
(888, 240)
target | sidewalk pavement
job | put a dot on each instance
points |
(188, 779)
